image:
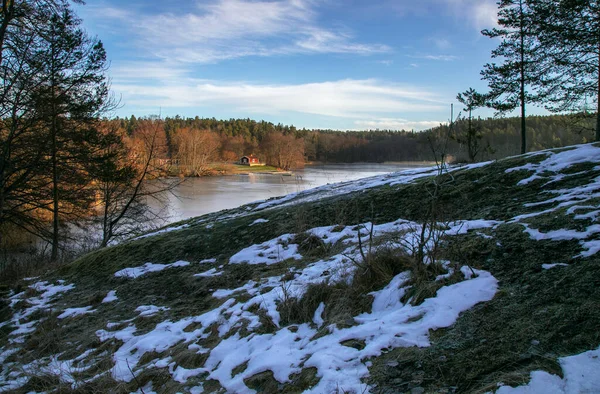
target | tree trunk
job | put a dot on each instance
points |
(8, 14)
(597, 137)
(54, 159)
(55, 208)
(522, 95)
(470, 137)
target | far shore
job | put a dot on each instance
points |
(229, 169)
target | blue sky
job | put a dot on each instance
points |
(341, 64)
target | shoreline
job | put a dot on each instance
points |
(219, 169)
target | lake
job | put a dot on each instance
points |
(199, 196)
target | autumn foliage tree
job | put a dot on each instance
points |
(283, 151)
(196, 149)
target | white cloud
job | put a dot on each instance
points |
(485, 15)
(481, 14)
(228, 29)
(351, 99)
(395, 124)
(132, 71)
(443, 58)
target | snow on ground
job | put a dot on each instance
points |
(110, 297)
(208, 261)
(136, 272)
(549, 266)
(559, 161)
(10, 377)
(290, 349)
(149, 310)
(389, 324)
(580, 375)
(576, 199)
(72, 312)
(270, 252)
(258, 221)
(211, 272)
(341, 188)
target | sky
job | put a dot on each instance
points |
(335, 64)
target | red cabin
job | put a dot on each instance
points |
(250, 161)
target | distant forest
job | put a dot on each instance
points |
(289, 147)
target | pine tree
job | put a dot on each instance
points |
(22, 142)
(74, 95)
(513, 82)
(570, 34)
(471, 100)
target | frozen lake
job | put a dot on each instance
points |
(199, 196)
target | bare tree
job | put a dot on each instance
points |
(122, 180)
(283, 151)
(196, 149)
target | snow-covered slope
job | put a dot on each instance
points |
(322, 291)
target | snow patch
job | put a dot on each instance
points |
(270, 252)
(258, 221)
(110, 297)
(136, 272)
(149, 310)
(580, 376)
(72, 312)
(210, 273)
(549, 266)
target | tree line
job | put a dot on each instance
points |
(197, 142)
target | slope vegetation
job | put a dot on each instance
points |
(483, 278)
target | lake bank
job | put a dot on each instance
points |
(201, 195)
(228, 169)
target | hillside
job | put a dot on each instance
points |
(326, 291)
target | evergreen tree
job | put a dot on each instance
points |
(512, 82)
(471, 100)
(74, 94)
(570, 33)
(22, 142)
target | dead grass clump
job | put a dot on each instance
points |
(310, 245)
(379, 267)
(239, 369)
(264, 382)
(148, 357)
(267, 326)
(101, 385)
(46, 339)
(342, 302)
(302, 381)
(42, 382)
(160, 378)
(190, 359)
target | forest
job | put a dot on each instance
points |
(198, 142)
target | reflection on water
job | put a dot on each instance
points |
(199, 196)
